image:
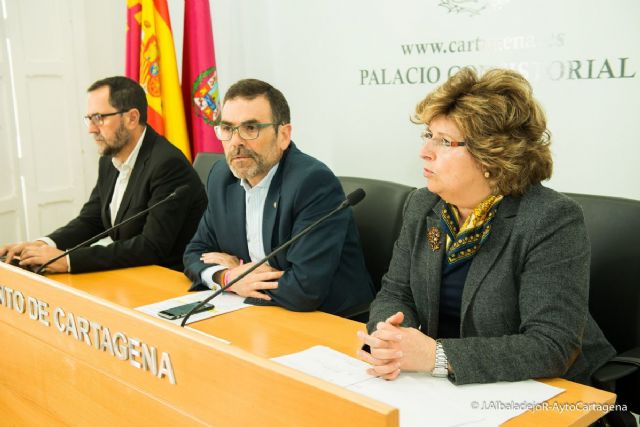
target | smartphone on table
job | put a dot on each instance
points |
(180, 311)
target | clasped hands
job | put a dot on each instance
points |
(395, 348)
(35, 253)
(262, 278)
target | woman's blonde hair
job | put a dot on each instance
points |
(503, 125)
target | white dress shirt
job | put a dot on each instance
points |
(125, 168)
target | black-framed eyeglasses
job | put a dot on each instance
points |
(98, 118)
(246, 131)
(427, 136)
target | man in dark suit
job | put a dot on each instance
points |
(266, 192)
(137, 168)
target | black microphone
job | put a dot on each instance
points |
(183, 189)
(353, 198)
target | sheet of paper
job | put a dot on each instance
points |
(499, 402)
(421, 398)
(418, 401)
(327, 364)
(224, 303)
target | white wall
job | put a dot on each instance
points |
(323, 56)
(44, 59)
(316, 51)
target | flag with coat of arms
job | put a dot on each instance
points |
(200, 78)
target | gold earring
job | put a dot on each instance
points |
(487, 174)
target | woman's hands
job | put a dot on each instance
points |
(395, 348)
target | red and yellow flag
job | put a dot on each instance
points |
(151, 60)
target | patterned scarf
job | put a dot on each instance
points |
(464, 242)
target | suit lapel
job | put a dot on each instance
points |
(491, 249)
(236, 220)
(434, 253)
(269, 215)
(270, 212)
(136, 173)
(109, 186)
(272, 203)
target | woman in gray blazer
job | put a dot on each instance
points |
(489, 279)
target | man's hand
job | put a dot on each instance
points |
(263, 278)
(35, 255)
(15, 249)
(220, 258)
(394, 348)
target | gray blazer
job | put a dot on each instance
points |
(524, 310)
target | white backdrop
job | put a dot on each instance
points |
(354, 70)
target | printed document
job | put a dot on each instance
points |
(421, 398)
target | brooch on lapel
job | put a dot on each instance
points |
(433, 236)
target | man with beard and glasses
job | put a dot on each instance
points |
(138, 167)
(266, 192)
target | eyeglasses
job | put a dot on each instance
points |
(98, 118)
(427, 136)
(246, 131)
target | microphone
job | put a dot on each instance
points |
(180, 191)
(352, 199)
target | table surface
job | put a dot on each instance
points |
(273, 331)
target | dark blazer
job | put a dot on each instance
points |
(324, 270)
(524, 307)
(156, 238)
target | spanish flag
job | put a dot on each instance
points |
(151, 60)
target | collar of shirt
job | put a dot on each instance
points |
(264, 182)
(126, 166)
